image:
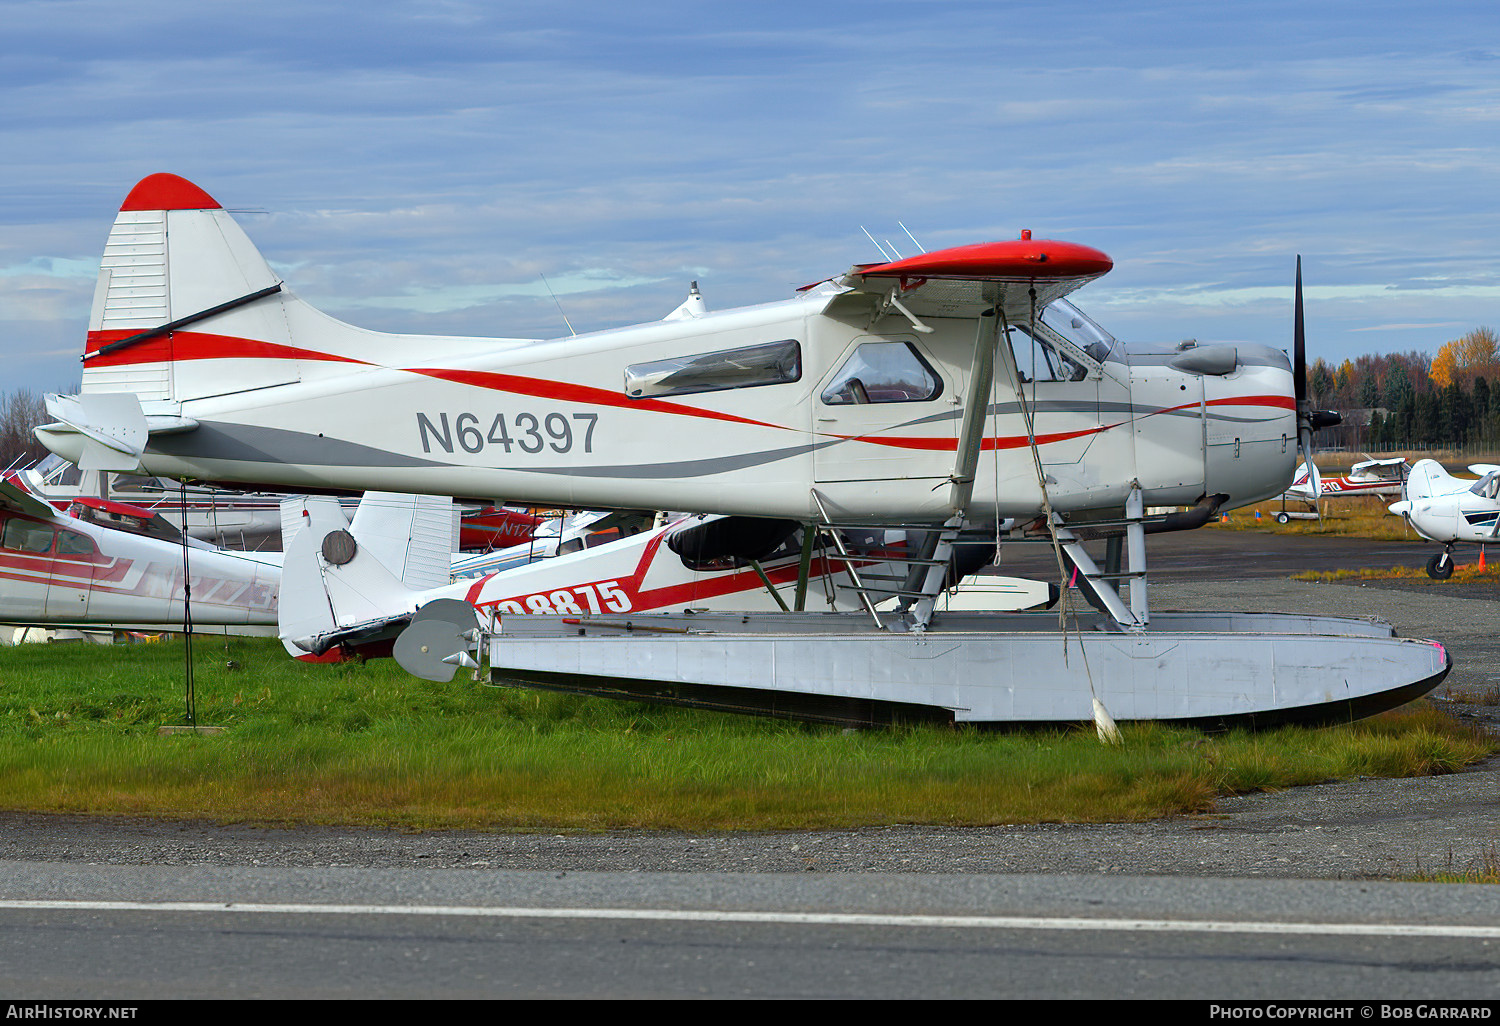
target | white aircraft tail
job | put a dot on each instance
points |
(1301, 487)
(1428, 478)
(354, 583)
(186, 308)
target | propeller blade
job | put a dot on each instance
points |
(1306, 419)
(1299, 346)
(1314, 479)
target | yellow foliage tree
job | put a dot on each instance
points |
(1475, 353)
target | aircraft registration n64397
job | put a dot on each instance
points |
(957, 395)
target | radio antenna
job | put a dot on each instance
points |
(878, 246)
(559, 305)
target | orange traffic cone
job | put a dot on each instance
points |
(1481, 559)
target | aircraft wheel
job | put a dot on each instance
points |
(1440, 566)
(1282, 518)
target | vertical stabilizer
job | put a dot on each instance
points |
(412, 535)
(173, 256)
(335, 588)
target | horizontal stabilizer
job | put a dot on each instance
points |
(13, 496)
(113, 426)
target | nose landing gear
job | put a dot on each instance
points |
(1440, 566)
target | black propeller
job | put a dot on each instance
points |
(1308, 419)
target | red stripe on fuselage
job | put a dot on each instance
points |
(197, 345)
(563, 391)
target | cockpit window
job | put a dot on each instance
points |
(1488, 486)
(883, 372)
(1041, 359)
(1078, 328)
(57, 471)
(770, 363)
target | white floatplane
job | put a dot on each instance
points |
(359, 597)
(943, 393)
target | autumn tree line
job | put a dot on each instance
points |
(20, 411)
(1414, 400)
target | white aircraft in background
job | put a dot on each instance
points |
(108, 564)
(1450, 510)
(944, 393)
(229, 518)
(556, 536)
(1369, 476)
(113, 564)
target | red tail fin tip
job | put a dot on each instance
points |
(168, 192)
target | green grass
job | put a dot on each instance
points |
(365, 744)
(1362, 517)
(1462, 574)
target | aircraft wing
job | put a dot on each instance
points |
(1020, 275)
(1366, 464)
(15, 497)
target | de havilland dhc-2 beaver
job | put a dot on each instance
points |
(956, 395)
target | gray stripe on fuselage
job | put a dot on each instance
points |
(250, 444)
(687, 468)
(1127, 410)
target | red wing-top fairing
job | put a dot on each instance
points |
(949, 392)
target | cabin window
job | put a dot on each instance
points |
(71, 543)
(883, 372)
(26, 536)
(57, 471)
(770, 363)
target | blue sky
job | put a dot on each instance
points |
(421, 166)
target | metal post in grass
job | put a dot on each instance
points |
(187, 610)
(191, 727)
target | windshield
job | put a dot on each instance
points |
(55, 470)
(1488, 486)
(1078, 328)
